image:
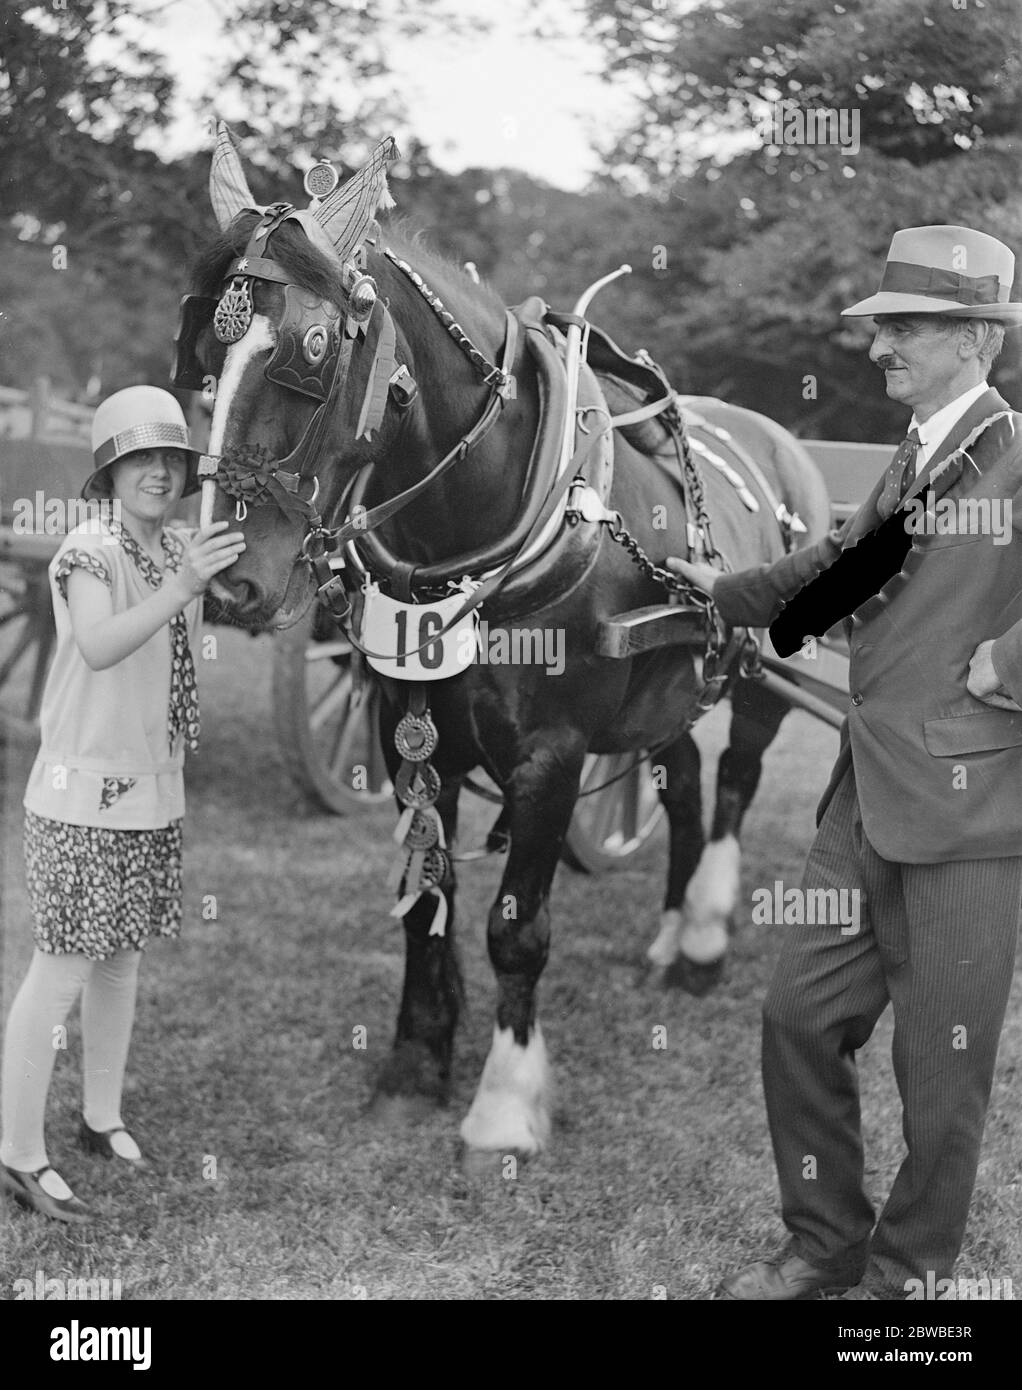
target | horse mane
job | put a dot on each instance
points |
(292, 249)
(432, 265)
(314, 271)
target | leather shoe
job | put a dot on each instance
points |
(96, 1141)
(26, 1189)
(784, 1277)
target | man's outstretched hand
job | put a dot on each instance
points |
(702, 576)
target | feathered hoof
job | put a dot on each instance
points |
(697, 978)
(410, 1083)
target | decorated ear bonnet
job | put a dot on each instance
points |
(315, 337)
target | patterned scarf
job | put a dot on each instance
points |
(183, 715)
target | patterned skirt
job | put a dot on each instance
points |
(95, 891)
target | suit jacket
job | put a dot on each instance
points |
(938, 772)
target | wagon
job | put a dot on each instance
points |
(326, 709)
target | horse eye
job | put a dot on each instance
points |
(314, 344)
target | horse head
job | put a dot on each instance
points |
(291, 333)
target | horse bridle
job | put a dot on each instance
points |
(310, 329)
(313, 357)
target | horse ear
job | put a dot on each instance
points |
(347, 212)
(228, 188)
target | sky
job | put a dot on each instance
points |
(502, 99)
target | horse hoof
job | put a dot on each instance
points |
(399, 1110)
(695, 977)
(413, 1075)
(653, 976)
(484, 1165)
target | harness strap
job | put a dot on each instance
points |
(376, 516)
(490, 585)
(401, 580)
(259, 266)
(283, 483)
(645, 412)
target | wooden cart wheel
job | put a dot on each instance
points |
(613, 823)
(326, 712)
(26, 641)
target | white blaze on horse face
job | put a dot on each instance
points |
(260, 336)
(710, 902)
(511, 1109)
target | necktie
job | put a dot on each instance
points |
(900, 475)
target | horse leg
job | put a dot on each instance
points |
(510, 1112)
(416, 1075)
(681, 796)
(712, 894)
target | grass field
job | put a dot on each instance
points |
(658, 1180)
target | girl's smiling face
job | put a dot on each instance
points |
(149, 482)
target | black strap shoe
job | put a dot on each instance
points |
(26, 1189)
(95, 1141)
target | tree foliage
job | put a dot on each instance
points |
(928, 77)
(779, 238)
(743, 254)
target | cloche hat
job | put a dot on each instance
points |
(945, 270)
(139, 417)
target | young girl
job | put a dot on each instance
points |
(105, 797)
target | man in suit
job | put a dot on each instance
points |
(922, 817)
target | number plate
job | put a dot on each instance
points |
(395, 630)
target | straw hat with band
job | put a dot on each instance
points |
(139, 417)
(946, 270)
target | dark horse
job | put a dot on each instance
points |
(528, 728)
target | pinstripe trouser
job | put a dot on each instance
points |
(938, 941)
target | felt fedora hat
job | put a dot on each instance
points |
(945, 270)
(139, 417)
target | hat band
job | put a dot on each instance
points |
(904, 277)
(168, 434)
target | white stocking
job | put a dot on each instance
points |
(108, 1013)
(40, 1007)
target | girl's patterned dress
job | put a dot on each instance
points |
(96, 888)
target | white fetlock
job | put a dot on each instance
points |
(665, 949)
(710, 902)
(511, 1108)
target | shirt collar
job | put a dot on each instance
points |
(940, 423)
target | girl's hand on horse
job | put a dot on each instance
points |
(702, 576)
(207, 554)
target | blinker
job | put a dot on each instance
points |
(308, 341)
(196, 314)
